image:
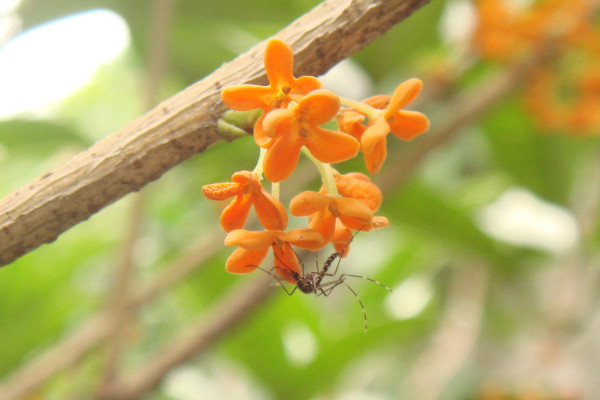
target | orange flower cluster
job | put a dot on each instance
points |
(505, 33)
(293, 111)
(579, 112)
(505, 30)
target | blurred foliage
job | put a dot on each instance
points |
(434, 228)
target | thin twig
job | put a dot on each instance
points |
(195, 338)
(118, 299)
(160, 19)
(98, 327)
(180, 127)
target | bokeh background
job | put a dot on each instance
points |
(493, 252)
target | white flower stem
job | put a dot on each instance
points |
(326, 173)
(366, 109)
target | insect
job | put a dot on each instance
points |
(314, 281)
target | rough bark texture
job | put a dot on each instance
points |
(180, 127)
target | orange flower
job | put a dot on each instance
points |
(350, 121)
(359, 186)
(254, 246)
(505, 32)
(500, 34)
(247, 191)
(577, 115)
(324, 210)
(283, 88)
(404, 124)
(297, 126)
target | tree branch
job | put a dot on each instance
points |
(195, 338)
(180, 127)
(98, 327)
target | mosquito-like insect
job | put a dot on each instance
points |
(312, 282)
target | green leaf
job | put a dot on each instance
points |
(442, 221)
(37, 138)
(542, 162)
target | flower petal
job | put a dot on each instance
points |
(318, 107)
(286, 263)
(274, 119)
(251, 240)
(378, 130)
(243, 261)
(245, 177)
(325, 225)
(270, 211)
(279, 63)
(380, 101)
(353, 208)
(220, 191)
(306, 84)
(379, 221)
(331, 146)
(408, 124)
(349, 122)
(260, 138)
(235, 214)
(404, 94)
(359, 186)
(374, 160)
(247, 97)
(304, 238)
(341, 239)
(281, 158)
(307, 203)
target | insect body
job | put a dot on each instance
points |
(313, 282)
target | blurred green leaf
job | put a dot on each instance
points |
(541, 162)
(38, 138)
(421, 208)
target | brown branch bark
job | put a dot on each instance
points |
(180, 127)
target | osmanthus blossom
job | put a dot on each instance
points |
(578, 115)
(353, 209)
(324, 210)
(386, 115)
(297, 126)
(248, 192)
(505, 32)
(254, 246)
(351, 122)
(406, 125)
(283, 88)
(359, 186)
(294, 110)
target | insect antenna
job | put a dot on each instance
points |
(362, 306)
(370, 280)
